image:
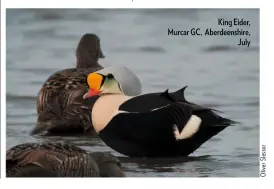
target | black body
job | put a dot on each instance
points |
(144, 132)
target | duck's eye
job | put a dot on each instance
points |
(111, 76)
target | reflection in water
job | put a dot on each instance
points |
(159, 165)
(219, 74)
(219, 48)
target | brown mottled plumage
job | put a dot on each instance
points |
(59, 103)
(59, 160)
(109, 165)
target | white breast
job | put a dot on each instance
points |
(105, 108)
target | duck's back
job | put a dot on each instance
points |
(70, 82)
(60, 104)
(63, 159)
(62, 81)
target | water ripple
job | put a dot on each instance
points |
(227, 48)
(12, 97)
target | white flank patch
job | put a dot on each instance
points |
(191, 127)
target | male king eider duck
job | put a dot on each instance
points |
(60, 160)
(159, 124)
(59, 102)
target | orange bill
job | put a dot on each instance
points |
(91, 92)
(95, 81)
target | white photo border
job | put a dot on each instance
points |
(266, 95)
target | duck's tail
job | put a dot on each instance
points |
(74, 118)
(207, 115)
(209, 118)
(208, 124)
(40, 128)
(49, 118)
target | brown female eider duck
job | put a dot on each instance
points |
(59, 103)
(77, 114)
(60, 160)
(159, 124)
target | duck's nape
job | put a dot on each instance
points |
(89, 51)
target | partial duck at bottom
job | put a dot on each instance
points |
(60, 160)
(162, 124)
